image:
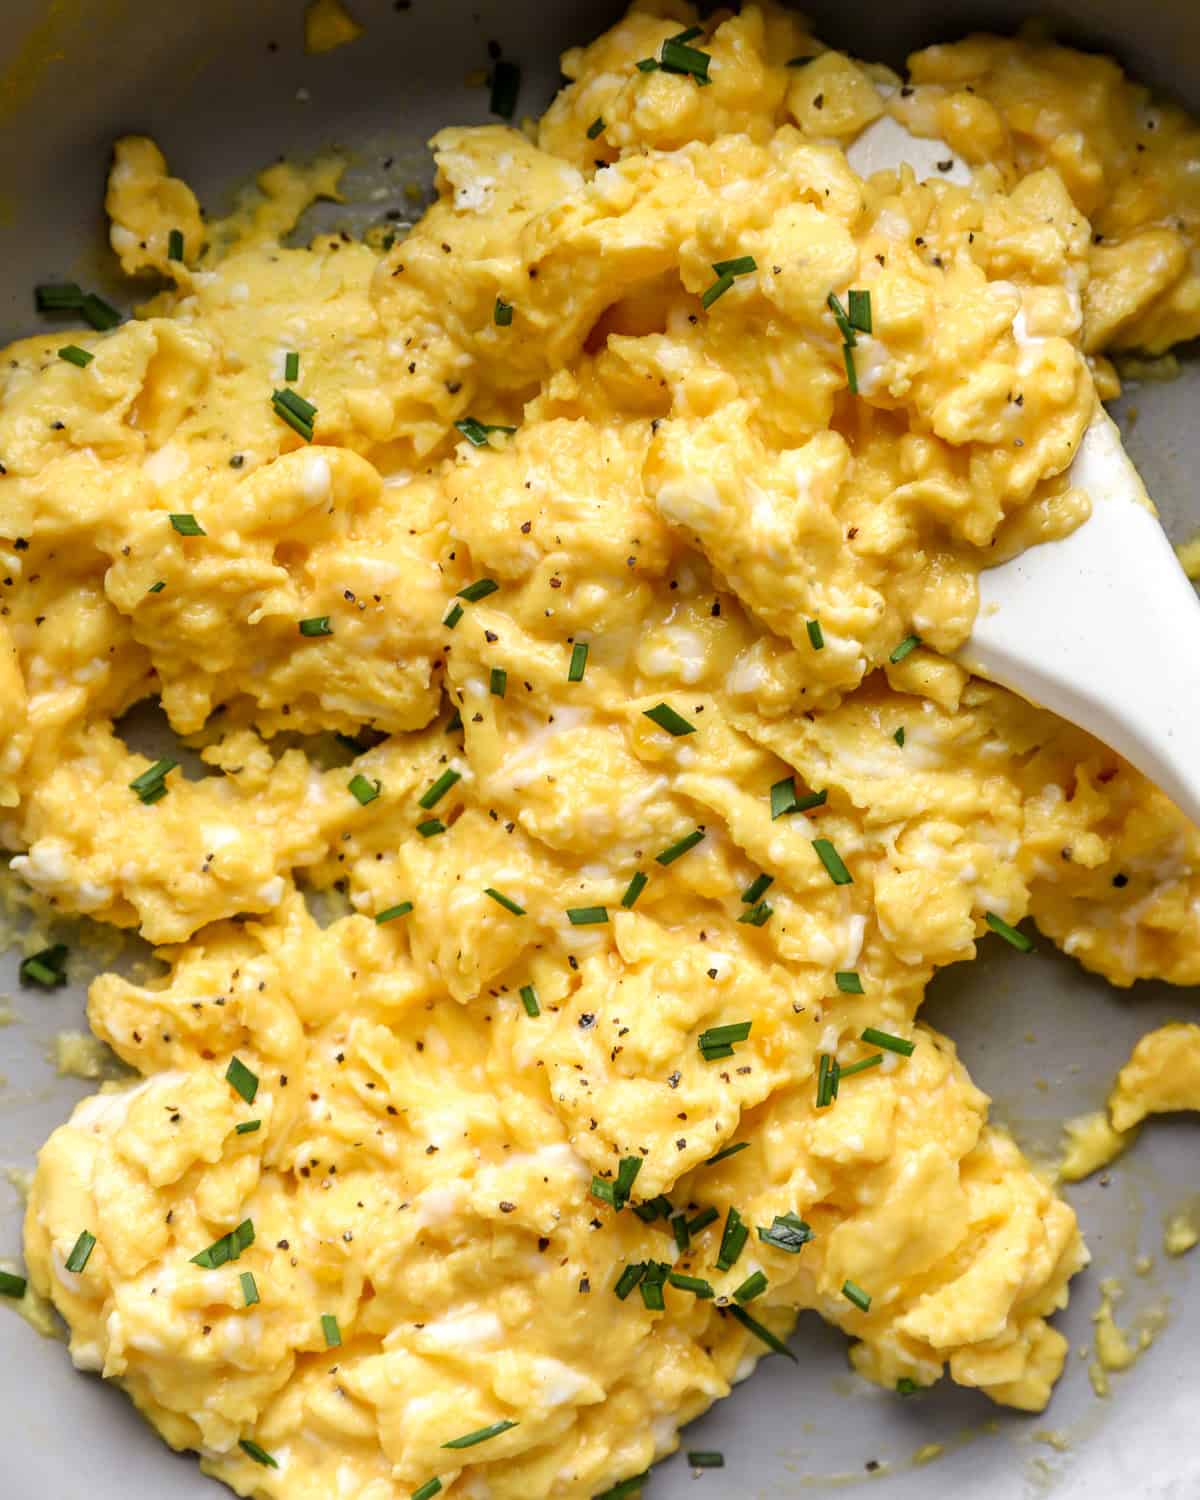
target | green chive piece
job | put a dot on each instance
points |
(247, 1127)
(842, 318)
(1011, 935)
(907, 1387)
(906, 647)
(506, 85)
(259, 1455)
(633, 890)
(100, 314)
(157, 588)
(241, 1079)
(724, 1036)
(579, 656)
(74, 355)
(832, 861)
(703, 1219)
(60, 297)
(187, 525)
(291, 366)
(317, 625)
(757, 889)
(12, 1286)
(477, 433)
(434, 793)
(855, 1294)
(848, 981)
(759, 1332)
(480, 589)
(401, 909)
(743, 265)
(899, 736)
(851, 370)
(647, 65)
(529, 1000)
(654, 1208)
(816, 635)
(498, 682)
(651, 1288)
(297, 424)
(587, 916)
(828, 1073)
(629, 1278)
(363, 790)
(151, 784)
(480, 1435)
(175, 252)
(428, 1490)
(680, 1230)
(249, 1288)
(333, 1334)
(453, 617)
(784, 799)
(859, 315)
(616, 1191)
(788, 1232)
(861, 1067)
(704, 1459)
(716, 291)
(678, 57)
(726, 1152)
(733, 1240)
(689, 841)
(81, 1253)
(666, 718)
(502, 313)
(887, 1040)
(505, 901)
(295, 403)
(455, 723)
(694, 1284)
(753, 1286)
(228, 1247)
(47, 969)
(430, 828)
(595, 128)
(626, 1489)
(757, 916)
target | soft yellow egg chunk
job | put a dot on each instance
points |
(560, 598)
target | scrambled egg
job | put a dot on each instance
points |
(628, 582)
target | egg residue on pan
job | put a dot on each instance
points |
(572, 583)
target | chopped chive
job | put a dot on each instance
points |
(152, 784)
(633, 890)
(430, 828)
(1011, 935)
(401, 909)
(816, 635)
(333, 1334)
(827, 1080)
(228, 1247)
(249, 1288)
(626, 1489)
(757, 888)
(716, 291)
(703, 1219)
(579, 656)
(832, 861)
(733, 1241)
(81, 1253)
(906, 647)
(899, 736)
(259, 1455)
(434, 793)
(59, 297)
(12, 1286)
(186, 524)
(848, 981)
(247, 1127)
(587, 916)
(480, 1435)
(480, 589)
(296, 423)
(452, 618)
(759, 1332)
(887, 1040)
(726, 1152)
(239, 1077)
(363, 790)
(757, 916)
(157, 588)
(629, 1278)
(46, 969)
(498, 682)
(454, 723)
(851, 370)
(722, 1036)
(647, 65)
(654, 1208)
(694, 1284)
(428, 1490)
(743, 265)
(704, 1459)
(907, 1387)
(859, 314)
(595, 128)
(477, 433)
(291, 366)
(666, 718)
(175, 252)
(506, 85)
(74, 355)
(680, 1230)
(100, 314)
(861, 1067)
(651, 1287)
(678, 57)
(788, 1232)
(529, 1000)
(754, 1286)
(502, 313)
(505, 901)
(855, 1294)
(784, 798)
(842, 318)
(615, 1191)
(681, 847)
(317, 625)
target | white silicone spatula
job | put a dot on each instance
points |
(1095, 627)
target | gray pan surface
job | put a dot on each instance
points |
(225, 87)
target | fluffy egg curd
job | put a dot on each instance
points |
(572, 584)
